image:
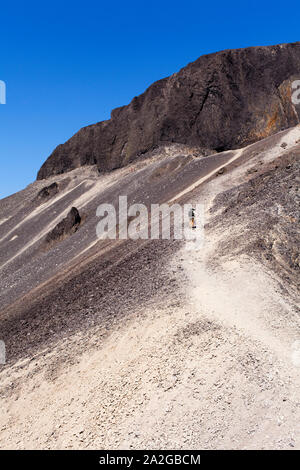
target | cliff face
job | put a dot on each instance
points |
(221, 101)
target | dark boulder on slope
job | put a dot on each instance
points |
(47, 192)
(66, 227)
(221, 101)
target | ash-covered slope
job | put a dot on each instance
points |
(221, 101)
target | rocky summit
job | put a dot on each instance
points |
(221, 101)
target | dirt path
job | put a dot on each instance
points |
(217, 370)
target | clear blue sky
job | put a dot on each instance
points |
(66, 64)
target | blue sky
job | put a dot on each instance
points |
(66, 64)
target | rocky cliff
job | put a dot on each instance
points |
(221, 101)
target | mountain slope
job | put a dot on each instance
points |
(162, 343)
(170, 344)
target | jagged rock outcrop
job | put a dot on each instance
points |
(221, 101)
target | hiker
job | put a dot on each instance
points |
(192, 217)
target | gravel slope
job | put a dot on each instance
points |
(161, 344)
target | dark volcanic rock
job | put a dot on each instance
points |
(64, 228)
(47, 192)
(221, 101)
